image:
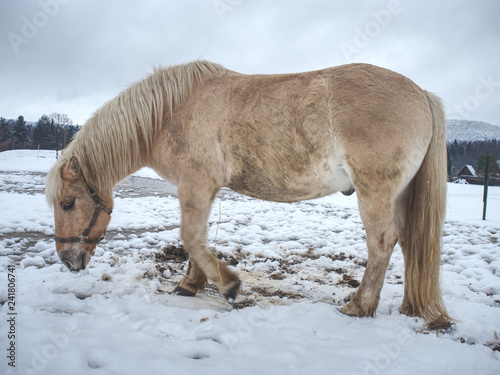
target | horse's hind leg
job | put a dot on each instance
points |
(381, 237)
(196, 202)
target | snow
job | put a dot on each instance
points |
(118, 317)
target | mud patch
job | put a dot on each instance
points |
(170, 261)
(245, 303)
(307, 275)
(265, 292)
(172, 253)
(348, 280)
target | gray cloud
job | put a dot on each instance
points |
(82, 53)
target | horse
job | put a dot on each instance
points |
(278, 137)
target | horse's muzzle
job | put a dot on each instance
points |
(75, 259)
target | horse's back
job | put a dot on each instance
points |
(290, 137)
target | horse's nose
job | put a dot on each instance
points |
(75, 259)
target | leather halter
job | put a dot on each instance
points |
(84, 237)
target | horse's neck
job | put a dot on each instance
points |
(130, 167)
(117, 178)
(108, 169)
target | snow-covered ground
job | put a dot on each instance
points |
(299, 263)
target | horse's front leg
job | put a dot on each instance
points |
(194, 281)
(381, 237)
(196, 202)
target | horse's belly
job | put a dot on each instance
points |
(314, 182)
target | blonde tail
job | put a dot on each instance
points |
(423, 229)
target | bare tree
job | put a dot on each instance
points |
(61, 123)
(60, 119)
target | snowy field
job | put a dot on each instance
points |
(299, 263)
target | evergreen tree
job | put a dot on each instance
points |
(55, 135)
(71, 131)
(20, 131)
(469, 150)
(481, 161)
(42, 135)
(4, 130)
(466, 152)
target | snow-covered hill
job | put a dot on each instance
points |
(468, 130)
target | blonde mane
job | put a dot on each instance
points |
(109, 142)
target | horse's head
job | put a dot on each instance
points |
(81, 213)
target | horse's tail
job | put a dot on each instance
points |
(423, 229)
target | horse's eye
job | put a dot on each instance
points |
(68, 205)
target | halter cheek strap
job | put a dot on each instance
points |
(84, 237)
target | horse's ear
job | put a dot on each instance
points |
(74, 165)
(71, 170)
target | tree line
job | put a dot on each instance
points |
(50, 132)
(461, 153)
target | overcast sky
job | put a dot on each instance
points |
(72, 56)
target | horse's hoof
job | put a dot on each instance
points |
(347, 311)
(180, 291)
(352, 309)
(407, 309)
(230, 294)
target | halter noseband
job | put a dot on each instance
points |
(84, 237)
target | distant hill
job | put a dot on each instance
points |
(468, 130)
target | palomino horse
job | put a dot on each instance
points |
(285, 138)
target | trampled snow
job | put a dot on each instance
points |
(298, 262)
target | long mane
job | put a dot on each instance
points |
(109, 142)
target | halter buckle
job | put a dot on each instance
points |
(83, 239)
